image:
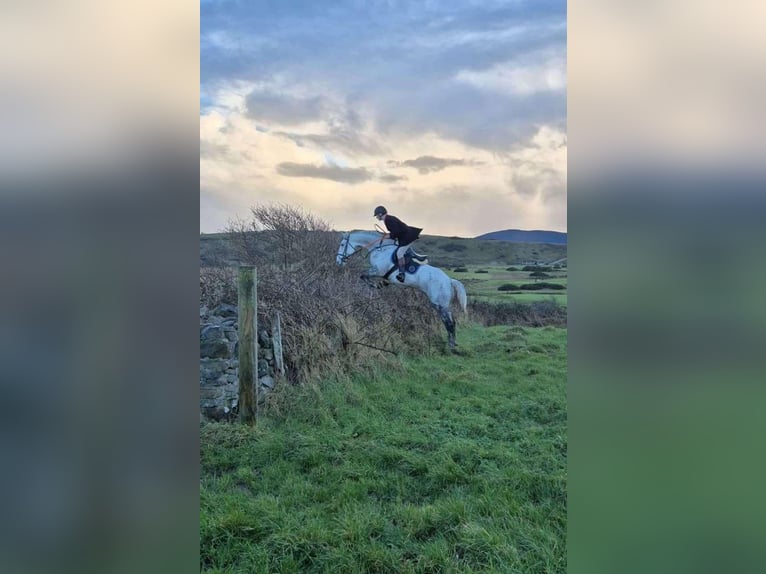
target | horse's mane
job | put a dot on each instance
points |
(366, 236)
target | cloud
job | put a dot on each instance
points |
(347, 141)
(283, 109)
(520, 78)
(350, 175)
(427, 163)
(413, 67)
(391, 178)
(538, 171)
(539, 182)
(212, 150)
(333, 100)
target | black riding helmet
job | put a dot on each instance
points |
(380, 210)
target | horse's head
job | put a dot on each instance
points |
(345, 250)
(353, 241)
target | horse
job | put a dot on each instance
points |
(432, 281)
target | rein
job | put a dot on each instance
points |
(346, 257)
(373, 242)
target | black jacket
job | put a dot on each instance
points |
(403, 233)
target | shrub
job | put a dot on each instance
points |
(535, 268)
(460, 270)
(481, 271)
(512, 269)
(508, 287)
(542, 285)
(454, 247)
(540, 274)
(535, 314)
(332, 322)
(217, 285)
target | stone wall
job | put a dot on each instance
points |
(219, 363)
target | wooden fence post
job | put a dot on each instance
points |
(276, 339)
(248, 351)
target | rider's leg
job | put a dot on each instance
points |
(400, 261)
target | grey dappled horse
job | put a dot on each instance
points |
(432, 281)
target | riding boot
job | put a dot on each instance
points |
(400, 275)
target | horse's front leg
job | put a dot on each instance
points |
(371, 278)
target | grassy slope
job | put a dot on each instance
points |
(448, 464)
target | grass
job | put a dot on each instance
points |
(483, 286)
(440, 463)
(500, 296)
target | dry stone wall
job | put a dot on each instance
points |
(219, 363)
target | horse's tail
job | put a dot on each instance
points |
(459, 290)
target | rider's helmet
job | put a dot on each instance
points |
(380, 210)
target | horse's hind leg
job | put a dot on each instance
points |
(449, 323)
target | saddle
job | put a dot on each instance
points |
(412, 262)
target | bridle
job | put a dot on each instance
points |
(347, 238)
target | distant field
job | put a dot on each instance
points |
(483, 286)
(454, 251)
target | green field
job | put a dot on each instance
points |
(443, 463)
(483, 286)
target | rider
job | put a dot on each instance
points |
(403, 234)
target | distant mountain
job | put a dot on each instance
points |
(521, 236)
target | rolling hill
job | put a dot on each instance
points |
(217, 249)
(521, 236)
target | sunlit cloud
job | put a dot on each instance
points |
(428, 164)
(331, 172)
(453, 116)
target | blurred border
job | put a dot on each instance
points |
(99, 176)
(666, 322)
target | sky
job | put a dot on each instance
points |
(451, 114)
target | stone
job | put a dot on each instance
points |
(263, 339)
(267, 382)
(211, 332)
(266, 354)
(263, 368)
(211, 393)
(214, 349)
(211, 369)
(226, 310)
